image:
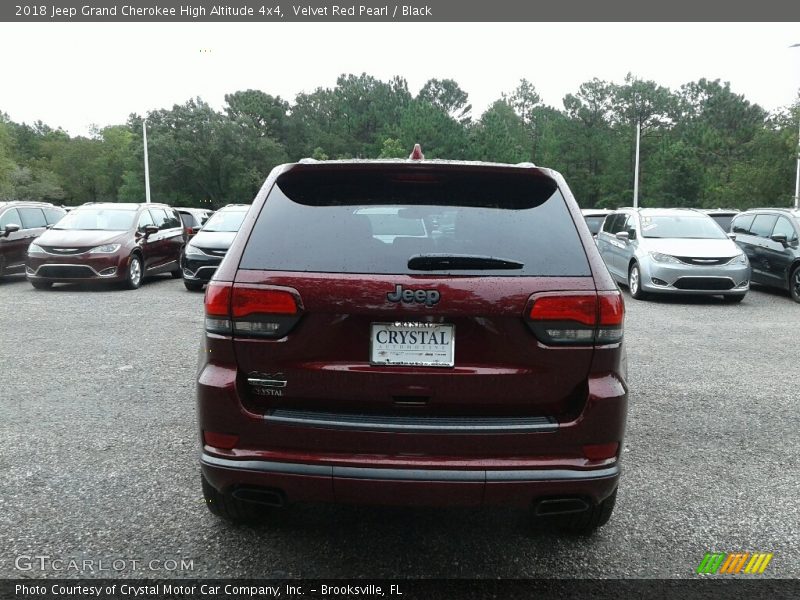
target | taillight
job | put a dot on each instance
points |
(610, 317)
(251, 310)
(577, 318)
(218, 307)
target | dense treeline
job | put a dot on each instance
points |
(701, 145)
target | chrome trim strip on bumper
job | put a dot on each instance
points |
(479, 476)
(410, 424)
(59, 265)
(189, 274)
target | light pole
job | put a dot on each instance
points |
(797, 177)
(146, 163)
(636, 167)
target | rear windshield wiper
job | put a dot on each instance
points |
(436, 262)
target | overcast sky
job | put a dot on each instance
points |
(74, 75)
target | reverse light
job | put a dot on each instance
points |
(218, 307)
(250, 310)
(577, 318)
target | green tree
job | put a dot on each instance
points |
(446, 95)
(500, 135)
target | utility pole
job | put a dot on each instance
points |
(146, 164)
(636, 168)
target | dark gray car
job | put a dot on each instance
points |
(769, 238)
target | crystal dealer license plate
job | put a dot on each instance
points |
(412, 344)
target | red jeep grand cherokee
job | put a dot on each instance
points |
(418, 333)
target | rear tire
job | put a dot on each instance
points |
(635, 282)
(193, 286)
(135, 273)
(42, 285)
(229, 508)
(794, 284)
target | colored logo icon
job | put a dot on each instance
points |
(734, 563)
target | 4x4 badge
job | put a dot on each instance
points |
(426, 297)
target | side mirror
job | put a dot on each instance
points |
(623, 235)
(149, 230)
(732, 237)
(10, 228)
(780, 238)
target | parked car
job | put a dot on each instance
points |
(723, 216)
(20, 223)
(483, 365)
(769, 238)
(594, 218)
(193, 219)
(108, 242)
(202, 255)
(672, 251)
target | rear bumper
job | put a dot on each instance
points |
(309, 482)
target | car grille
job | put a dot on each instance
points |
(703, 262)
(67, 271)
(214, 251)
(63, 251)
(704, 283)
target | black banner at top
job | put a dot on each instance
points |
(277, 11)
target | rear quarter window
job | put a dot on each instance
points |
(374, 222)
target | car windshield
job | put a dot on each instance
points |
(595, 222)
(225, 220)
(681, 226)
(98, 219)
(723, 221)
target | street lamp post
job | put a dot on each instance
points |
(146, 164)
(636, 167)
(797, 176)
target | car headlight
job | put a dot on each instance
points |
(193, 251)
(739, 259)
(35, 249)
(105, 249)
(664, 258)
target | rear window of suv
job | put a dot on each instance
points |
(416, 221)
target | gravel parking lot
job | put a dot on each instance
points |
(100, 454)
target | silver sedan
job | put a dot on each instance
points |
(672, 251)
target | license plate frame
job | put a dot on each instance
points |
(387, 353)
